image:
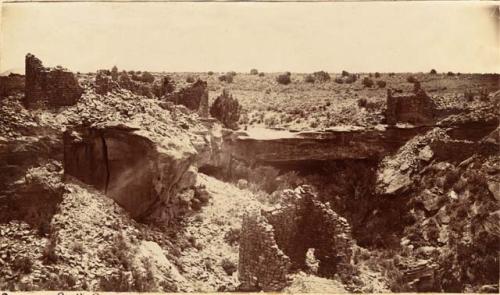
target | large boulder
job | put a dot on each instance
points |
(137, 171)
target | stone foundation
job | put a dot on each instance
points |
(276, 241)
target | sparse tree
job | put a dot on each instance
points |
(226, 109)
(114, 73)
(377, 75)
(433, 72)
(345, 73)
(321, 76)
(284, 79)
(147, 77)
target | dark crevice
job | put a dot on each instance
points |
(106, 161)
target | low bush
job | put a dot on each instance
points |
(190, 79)
(49, 255)
(321, 76)
(210, 73)
(362, 102)
(284, 79)
(261, 74)
(351, 79)
(411, 79)
(339, 80)
(381, 84)
(232, 236)
(22, 264)
(147, 77)
(433, 72)
(450, 74)
(367, 82)
(309, 79)
(226, 78)
(229, 266)
(254, 72)
(345, 73)
(377, 75)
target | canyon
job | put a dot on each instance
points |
(172, 198)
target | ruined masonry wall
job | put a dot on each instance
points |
(262, 265)
(298, 223)
(49, 86)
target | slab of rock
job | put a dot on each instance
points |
(130, 166)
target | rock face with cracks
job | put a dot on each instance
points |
(136, 172)
(277, 240)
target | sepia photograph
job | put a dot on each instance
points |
(285, 147)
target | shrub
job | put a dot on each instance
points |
(232, 73)
(49, 255)
(226, 78)
(167, 85)
(284, 79)
(232, 236)
(411, 79)
(381, 84)
(210, 73)
(22, 264)
(339, 80)
(484, 95)
(362, 102)
(190, 79)
(229, 266)
(147, 77)
(377, 75)
(351, 79)
(254, 72)
(450, 74)
(115, 283)
(469, 95)
(433, 72)
(367, 82)
(391, 74)
(261, 74)
(226, 109)
(345, 73)
(309, 79)
(114, 73)
(321, 76)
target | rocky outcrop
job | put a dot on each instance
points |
(276, 240)
(194, 97)
(49, 86)
(284, 147)
(416, 109)
(138, 172)
(11, 84)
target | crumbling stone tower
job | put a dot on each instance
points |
(49, 86)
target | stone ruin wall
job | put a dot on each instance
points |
(49, 86)
(275, 241)
(417, 108)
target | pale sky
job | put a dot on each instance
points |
(272, 37)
